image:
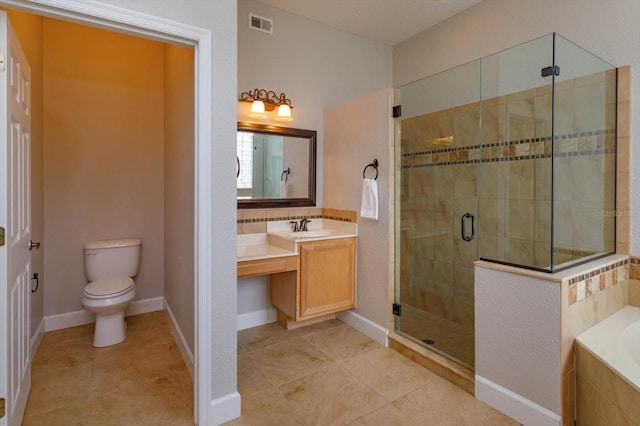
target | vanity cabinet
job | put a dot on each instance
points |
(327, 277)
(323, 284)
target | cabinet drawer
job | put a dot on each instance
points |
(249, 268)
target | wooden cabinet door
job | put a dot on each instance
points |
(327, 277)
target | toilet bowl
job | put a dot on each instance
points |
(107, 298)
(110, 266)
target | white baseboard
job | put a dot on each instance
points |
(513, 405)
(186, 353)
(138, 307)
(225, 408)
(365, 326)
(37, 338)
(256, 318)
(76, 318)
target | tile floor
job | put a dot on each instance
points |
(142, 381)
(330, 374)
(323, 374)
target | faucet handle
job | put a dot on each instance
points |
(294, 226)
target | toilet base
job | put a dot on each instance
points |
(111, 329)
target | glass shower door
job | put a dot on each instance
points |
(510, 159)
(438, 155)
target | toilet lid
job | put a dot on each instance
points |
(108, 287)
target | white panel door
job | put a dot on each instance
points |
(15, 217)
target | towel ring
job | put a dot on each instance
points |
(284, 176)
(374, 164)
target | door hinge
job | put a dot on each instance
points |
(2, 62)
(397, 309)
(1, 236)
(397, 111)
(2, 407)
(546, 72)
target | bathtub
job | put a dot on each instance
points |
(615, 341)
(608, 370)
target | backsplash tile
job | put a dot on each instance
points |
(255, 221)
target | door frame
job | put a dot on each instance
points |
(131, 22)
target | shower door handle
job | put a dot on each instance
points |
(463, 227)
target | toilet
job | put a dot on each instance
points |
(110, 266)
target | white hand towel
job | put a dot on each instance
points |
(369, 207)
(283, 188)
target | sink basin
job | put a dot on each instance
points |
(311, 234)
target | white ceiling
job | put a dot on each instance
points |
(386, 21)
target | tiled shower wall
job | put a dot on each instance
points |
(509, 192)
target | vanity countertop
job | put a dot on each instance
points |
(257, 246)
(280, 241)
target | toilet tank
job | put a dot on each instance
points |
(112, 258)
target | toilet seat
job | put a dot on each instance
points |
(106, 288)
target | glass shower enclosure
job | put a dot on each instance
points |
(510, 159)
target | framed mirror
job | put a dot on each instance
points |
(276, 166)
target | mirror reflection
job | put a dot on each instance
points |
(275, 166)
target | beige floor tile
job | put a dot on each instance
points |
(154, 402)
(118, 371)
(63, 354)
(330, 397)
(67, 334)
(343, 342)
(142, 381)
(386, 415)
(316, 328)
(59, 388)
(268, 408)
(251, 379)
(256, 338)
(441, 402)
(70, 415)
(289, 360)
(388, 373)
(103, 406)
(141, 339)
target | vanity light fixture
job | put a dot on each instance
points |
(263, 100)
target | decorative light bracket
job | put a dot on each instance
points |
(263, 100)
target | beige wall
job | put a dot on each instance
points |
(318, 67)
(103, 154)
(29, 30)
(179, 186)
(367, 125)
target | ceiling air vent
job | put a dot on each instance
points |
(260, 23)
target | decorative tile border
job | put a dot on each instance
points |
(269, 216)
(589, 283)
(576, 144)
(290, 217)
(634, 268)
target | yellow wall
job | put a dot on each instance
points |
(103, 154)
